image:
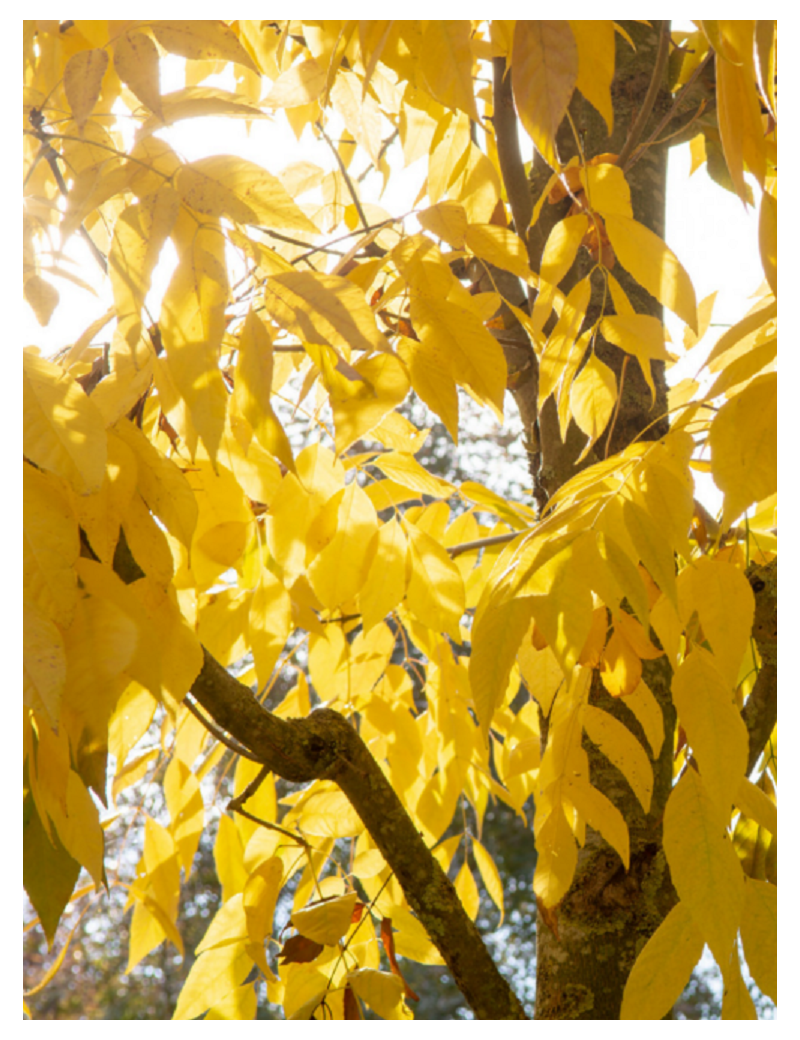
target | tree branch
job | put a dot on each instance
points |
(325, 746)
(512, 167)
(760, 713)
(640, 122)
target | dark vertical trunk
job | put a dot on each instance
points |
(609, 913)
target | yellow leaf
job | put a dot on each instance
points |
(654, 550)
(757, 805)
(269, 624)
(544, 72)
(592, 397)
(185, 804)
(326, 922)
(651, 718)
(654, 266)
(739, 115)
(496, 637)
(202, 40)
(663, 967)
(228, 186)
(129, 722)
(252, 388)
(382, 991)
(563, 350)
(354, 417)
(743, 331)
(446, 61)
(622, 749)
(192, 323)
(162, 484)
(139, 234)
(240, 1004)
(436, 590)
(405, 469)
(621, 670)
(229, 859)
(79, 828)
(214, 975)
(449, 150)
(51, 545)
(596, 42)
(429, 372)
(63, 432)
(499, 246)
(385, 585)
(136, 64)
(193, 102)
(737, 1004)
(723, 599)
(557, 858)
(299, 85)
(260, 896)
(541, 672)
(44, 662)
(601, 814)
(640, 335)
(705, 869)
(467, 891)
(606, 189)
(744, 447)
(714, 727)
(490, 875)
(760, 934)
(447, 220)
(42, 297)
(561, 603)
(360, 113)
(339, 571)
(83, 78)
(147, 541)
(768, 239)
(562, 247)
(323, 308)
(473, 356)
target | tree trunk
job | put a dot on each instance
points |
(586, 949)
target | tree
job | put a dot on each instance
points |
(363, 645)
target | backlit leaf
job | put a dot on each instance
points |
(654, 266)
(544, 72)
(744, 447)
(63, 432)
(83, 77)
(326, 922)
(202, 39)
(136, 64)
(704, 867)
(228, 186)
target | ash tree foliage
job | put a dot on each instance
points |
(370, 653)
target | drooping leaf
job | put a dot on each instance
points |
(544, 73)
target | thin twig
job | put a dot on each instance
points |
(672, 112)
(645, 111)
(625, 361)
(51, 155)
(350, 186)
(482, 543)
(221, 736)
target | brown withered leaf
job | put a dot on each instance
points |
(299, 950)
(351, 1005)
(387, 938)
